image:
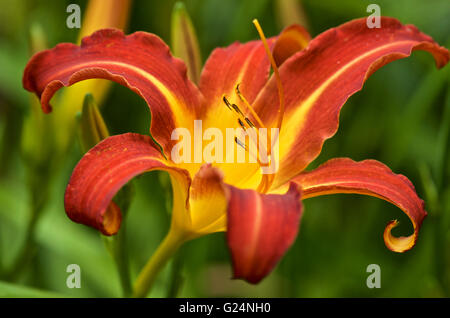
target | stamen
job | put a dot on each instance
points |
(249, 107)
(241, 123)
(267, 180)
(237, 110)
(249, 122)
(270, 179)
(227, 103)
(240, 143)
(262, 184)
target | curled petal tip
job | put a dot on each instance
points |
(368, 177)
(104, 170)
(398, 244)
(111, 220)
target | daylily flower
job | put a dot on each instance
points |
(260, 213)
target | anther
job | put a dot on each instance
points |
(249, 122)
(247, 104)
(227, 103)
(236, 108)
(240, 143)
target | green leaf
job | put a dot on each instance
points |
(431, 191)
(64, 241)
(443, 144)
(8, 290)
(415, 110)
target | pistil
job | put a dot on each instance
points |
(275, 71)
(246, 123)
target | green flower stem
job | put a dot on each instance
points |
(176, 276)
(122, 265)
(117, 248)
(165, 251)
(116, 245)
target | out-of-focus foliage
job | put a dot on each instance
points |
(400, 118)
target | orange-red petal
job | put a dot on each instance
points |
(369, 177)
(260, 229)
(140, 61)
(104, 170)
(246, 64)
(318, 80)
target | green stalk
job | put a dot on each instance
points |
(117, 248)
(116, 245)
(156, 263)
(122, 265)
(176, 277)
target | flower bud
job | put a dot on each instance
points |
(184, 41)
(92, 128)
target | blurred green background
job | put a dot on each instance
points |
(401, 118)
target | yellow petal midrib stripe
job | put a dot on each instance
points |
(178, 108)
(297, 119)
